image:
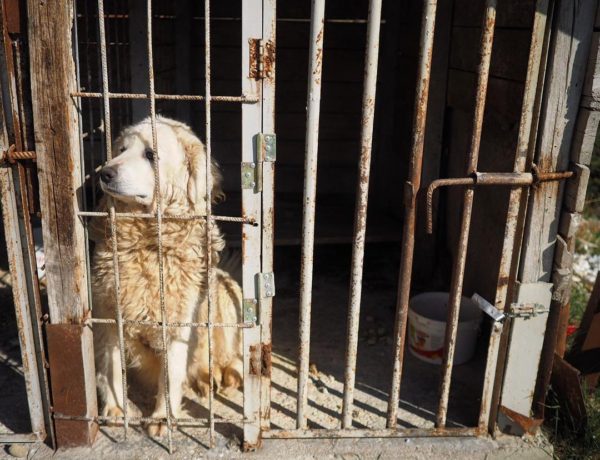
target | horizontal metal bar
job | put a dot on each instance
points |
(17, 438)
(170, 97)
(367, 433)
(171, 325)
(242, 220)
(193, 422)
(490, 178)
(230, 18)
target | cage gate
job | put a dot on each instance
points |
(86, 86)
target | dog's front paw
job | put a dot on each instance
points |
(157, 429)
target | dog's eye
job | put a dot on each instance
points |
(149, 154)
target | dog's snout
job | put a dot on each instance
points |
(107, 174)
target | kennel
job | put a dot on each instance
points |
(507, 87)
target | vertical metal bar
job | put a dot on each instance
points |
(487, 40)
(362, 198)
(410, 216)
(252, 28)
(113, 222)
(523, 159)
(209, 222)
(268, 203)
(158, 201)
(317, 28)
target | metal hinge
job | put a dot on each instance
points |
(262, 58)
(266, 151)
(265, 283)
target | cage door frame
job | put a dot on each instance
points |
(258, 27)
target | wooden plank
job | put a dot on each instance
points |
(576, 188)
(512, 14)
(566, 69)
(57, 146)
(510, 53)
(584, 139)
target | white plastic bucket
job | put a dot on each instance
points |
(427, 327)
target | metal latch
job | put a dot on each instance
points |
(261, 58)
(526, 310)
(517, 310)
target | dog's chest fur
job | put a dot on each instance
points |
(184, 274)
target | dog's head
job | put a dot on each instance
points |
(129, 176)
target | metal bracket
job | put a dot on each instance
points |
(266, 147)
(250, 310)
(488, 308)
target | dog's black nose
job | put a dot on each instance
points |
(107, 174)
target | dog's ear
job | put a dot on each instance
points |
(196, 158)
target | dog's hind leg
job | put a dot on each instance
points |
(108, 370)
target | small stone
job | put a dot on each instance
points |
(312, 370)
(354, 413)
(18, 450)
(323, 389)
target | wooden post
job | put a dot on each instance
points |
(57, 146)
(568, 57)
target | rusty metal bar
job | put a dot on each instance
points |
(136, 421)
(12, 155)
(411, 188)
(159, 324)
(360, 217)
(487, 39)
(210, 222)
(514, 179)
(371, 433)
(158, 201)
(113, 222)
(133, 215)
(317, 29)
(168, 97)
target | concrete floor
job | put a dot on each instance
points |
(330, 290)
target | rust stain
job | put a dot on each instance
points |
(254, 360)
(266, 360)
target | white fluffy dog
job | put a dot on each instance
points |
(128, 180)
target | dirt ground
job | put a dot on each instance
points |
(330, 293)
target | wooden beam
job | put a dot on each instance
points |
(57, 146)
(567, 62)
